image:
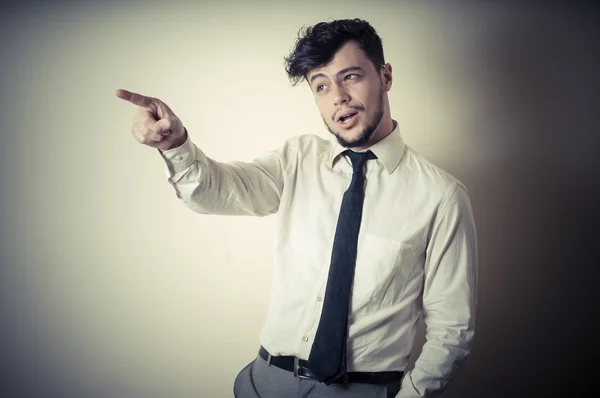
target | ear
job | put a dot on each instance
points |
(386, 76)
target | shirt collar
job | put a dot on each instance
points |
(389, 150)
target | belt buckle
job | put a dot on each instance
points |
(297, 367)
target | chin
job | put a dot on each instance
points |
(350, 136)
(352, 141)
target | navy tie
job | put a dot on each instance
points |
(327, 357)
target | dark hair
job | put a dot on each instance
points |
(316, 45)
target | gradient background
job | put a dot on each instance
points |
(110, 287)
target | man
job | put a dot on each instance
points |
(370, 235)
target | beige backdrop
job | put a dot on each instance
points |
(112, 288)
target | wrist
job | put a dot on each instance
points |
(179, 141)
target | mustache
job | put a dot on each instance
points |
(354, 107)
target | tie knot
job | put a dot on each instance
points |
(358, 159)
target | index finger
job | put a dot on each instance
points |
(134, 98)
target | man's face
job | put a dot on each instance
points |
(351, 96)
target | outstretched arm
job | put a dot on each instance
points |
(205, 185)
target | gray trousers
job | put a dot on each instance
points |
(259, 380)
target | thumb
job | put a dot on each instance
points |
(163, 126)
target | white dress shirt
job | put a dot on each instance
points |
(417, 249)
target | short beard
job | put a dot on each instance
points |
(366, 134)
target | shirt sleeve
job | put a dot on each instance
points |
(226, 188)
(449, 298)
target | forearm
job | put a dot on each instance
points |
(442, 355)
(234, 188)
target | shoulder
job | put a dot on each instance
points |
(302, 149)
(435, 181)
(307, 141)
(307, 145)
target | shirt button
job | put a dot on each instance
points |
(305, 339)
(178, 157)
(319, 298)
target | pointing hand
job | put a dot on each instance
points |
(155, 124)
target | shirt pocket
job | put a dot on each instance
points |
(383, 268)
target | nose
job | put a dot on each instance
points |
(340, 95)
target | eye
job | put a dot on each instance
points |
(351, 76)
(319, 88)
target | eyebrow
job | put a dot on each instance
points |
(345, 70)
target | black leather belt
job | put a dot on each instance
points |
(300, 370)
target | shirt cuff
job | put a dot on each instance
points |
(180, 158)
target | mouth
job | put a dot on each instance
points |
(348, 119)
